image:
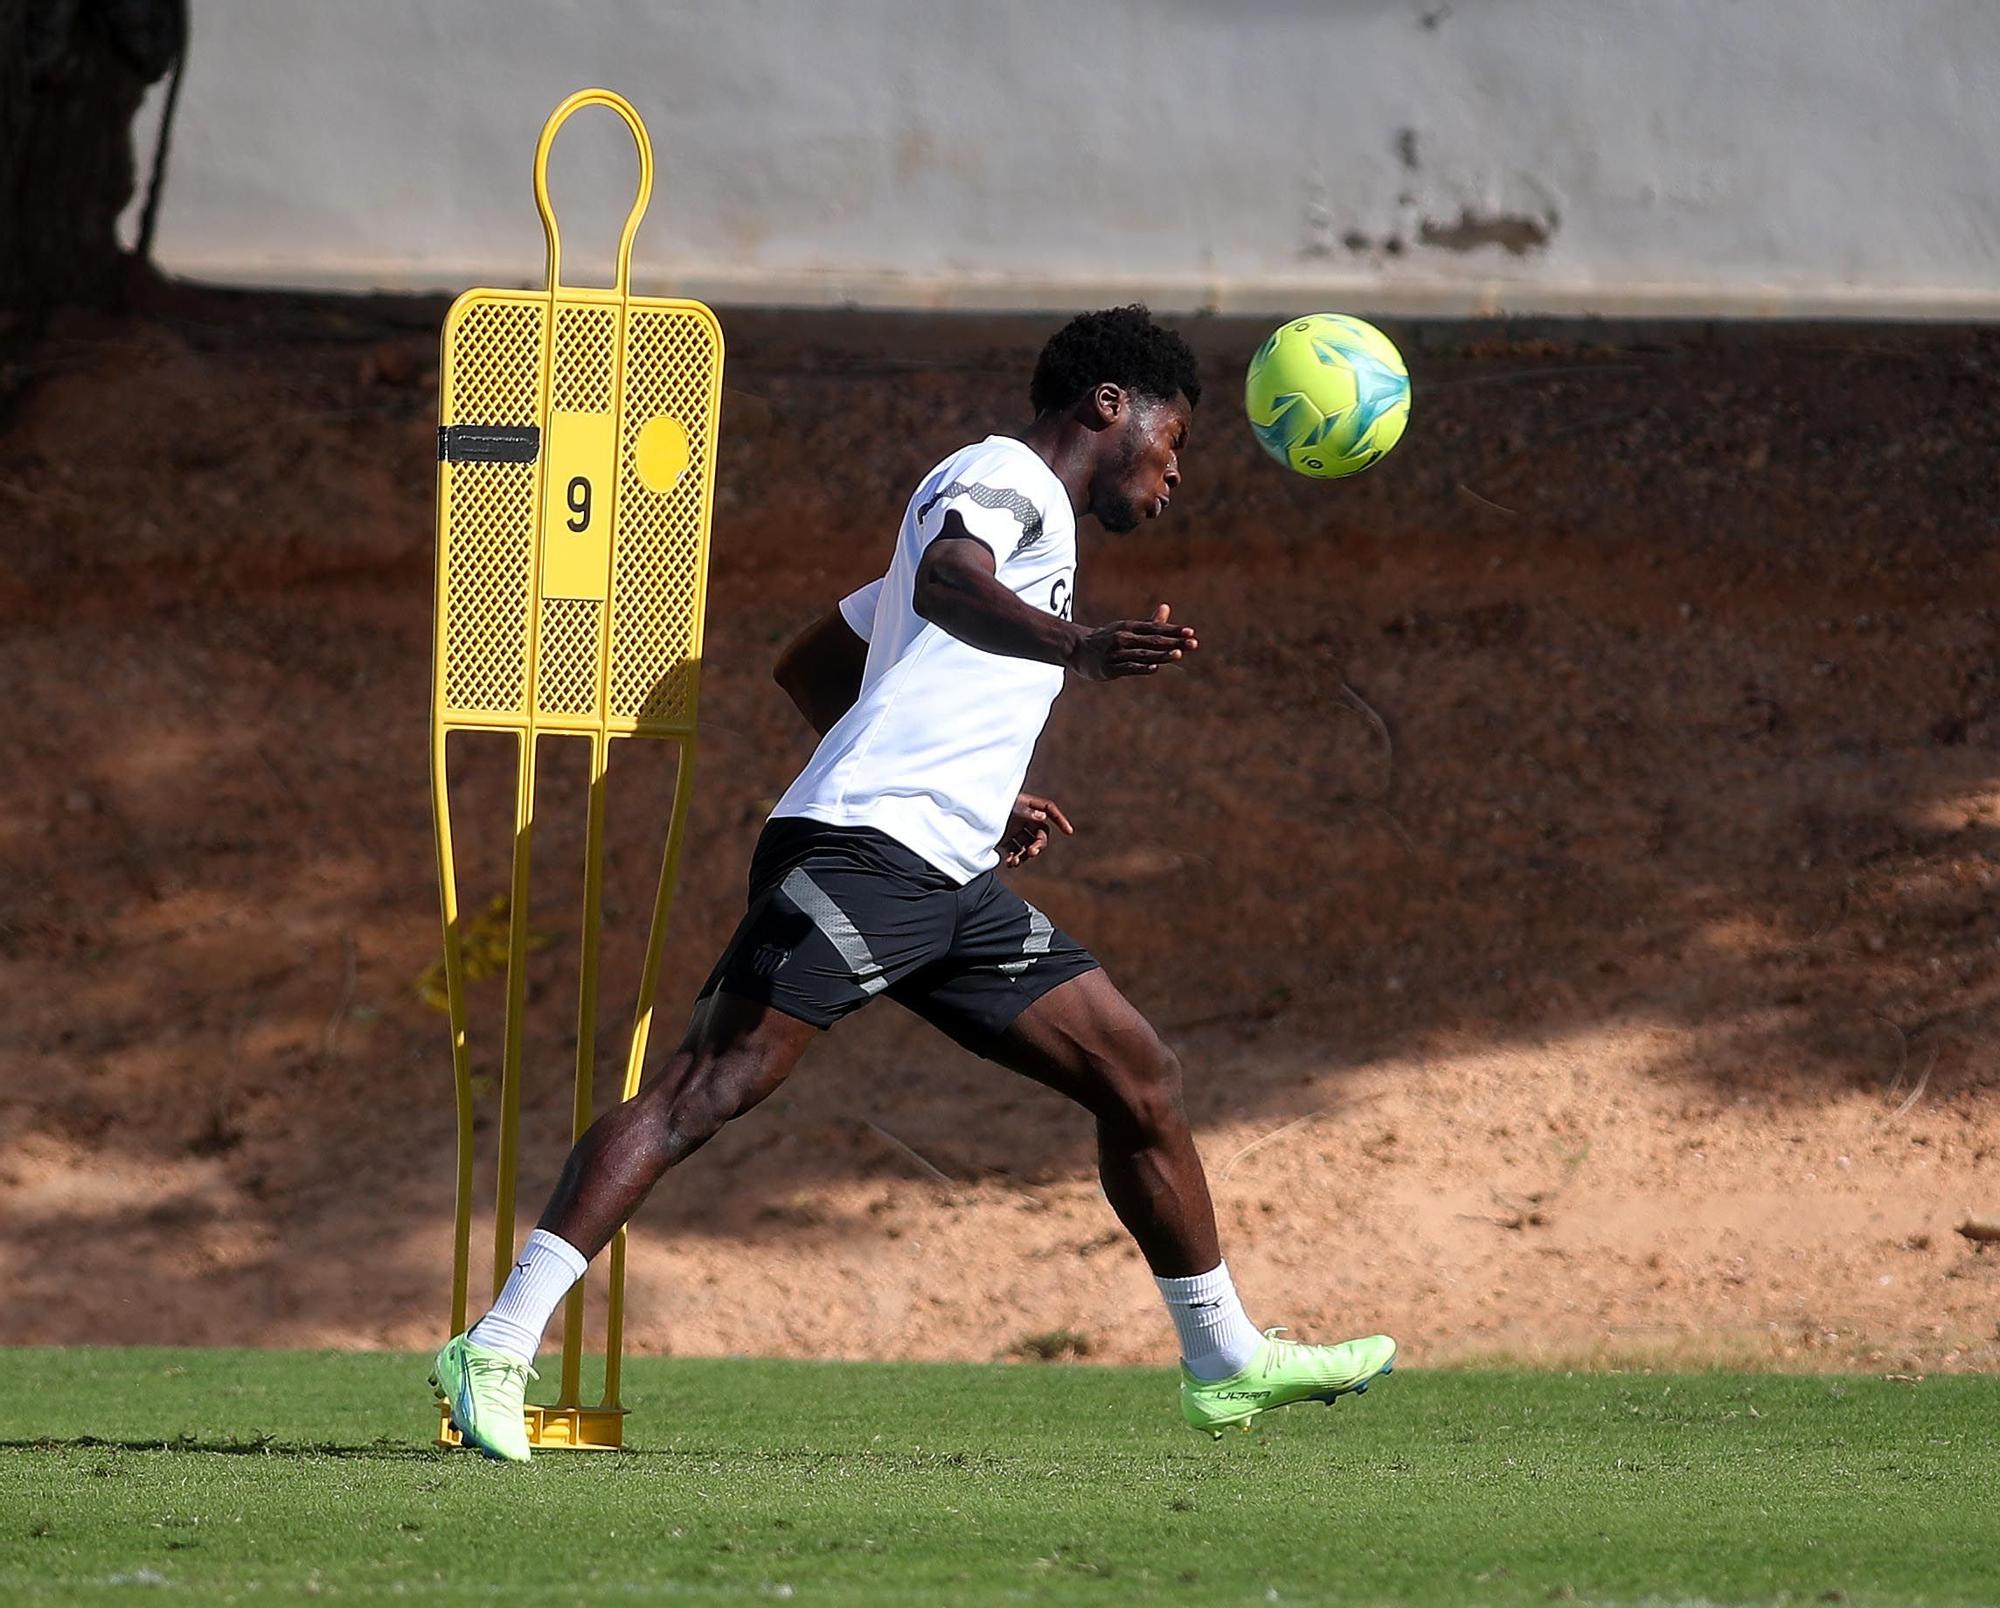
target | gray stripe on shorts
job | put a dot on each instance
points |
(1040, 931)
(824, 914)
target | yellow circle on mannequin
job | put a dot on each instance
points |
(663, 453)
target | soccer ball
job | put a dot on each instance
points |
(1327, 395)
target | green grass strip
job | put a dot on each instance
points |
(204, 1475)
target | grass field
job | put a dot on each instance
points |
(207, 1475)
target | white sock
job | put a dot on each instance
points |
(1217, 1339)
(548, 1267)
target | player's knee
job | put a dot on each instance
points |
(697, 1115)
(715, 1091)
(1148, 1083)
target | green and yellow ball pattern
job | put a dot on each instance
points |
(1327, 395)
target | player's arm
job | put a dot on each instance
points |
(820, 670)
(958, 590)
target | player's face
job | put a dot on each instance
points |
(1144, 463)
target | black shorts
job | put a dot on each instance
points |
(839, 914)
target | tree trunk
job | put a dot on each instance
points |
(72, 73)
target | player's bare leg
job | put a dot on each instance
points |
(735, 1053)
(1086, 1040)
(734, 1056)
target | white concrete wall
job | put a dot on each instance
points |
(1444, 155)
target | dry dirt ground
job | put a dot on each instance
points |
(1628, 992)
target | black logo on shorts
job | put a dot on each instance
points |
(768, 959)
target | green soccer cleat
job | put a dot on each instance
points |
(483, 1390)
(1284, 1372)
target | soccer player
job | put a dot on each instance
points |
(876, 876)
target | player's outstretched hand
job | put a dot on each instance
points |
(1133, 647)
(1028, 828)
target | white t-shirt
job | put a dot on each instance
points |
(936, 747)
(858, 609)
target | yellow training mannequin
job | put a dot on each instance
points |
(576, 469)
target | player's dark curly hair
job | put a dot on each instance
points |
(1122, 345)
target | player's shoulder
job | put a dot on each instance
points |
(998, 458)
(996, 466)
